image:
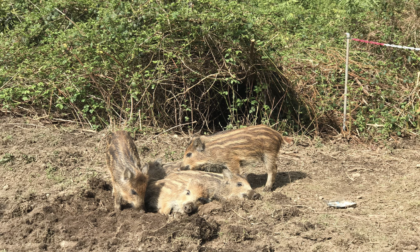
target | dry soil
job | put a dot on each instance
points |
(55, 195)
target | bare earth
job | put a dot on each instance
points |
(55, 195)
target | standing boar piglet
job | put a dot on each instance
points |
(166, 196)
(219, 186)
(235, 148)
(129, 183)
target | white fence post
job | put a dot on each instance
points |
(345, 82)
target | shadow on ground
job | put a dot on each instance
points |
(282, 179)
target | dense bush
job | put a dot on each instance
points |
(214, 62)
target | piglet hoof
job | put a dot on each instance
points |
(267, 189)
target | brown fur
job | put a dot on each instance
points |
(218, 186)
(172, 167)
(158, 170)
(166, 196)
(128, 182)
(234, 148)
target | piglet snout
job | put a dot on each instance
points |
(188, 208)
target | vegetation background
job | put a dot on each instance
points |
(212, 64)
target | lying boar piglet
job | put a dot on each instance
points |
(219, 186)
(167, 196)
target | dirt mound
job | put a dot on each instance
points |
(86, 220)
(181, 235)
(74, 221)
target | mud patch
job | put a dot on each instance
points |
(97, 183)
(179, 233)
(238, 233)
(286, 214)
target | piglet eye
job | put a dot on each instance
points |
(188, 192)
(133, 192)
(239, 184)
(189, 154)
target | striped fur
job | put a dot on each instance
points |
(128, 181)
(168, 196)
(157, 170)
(235, 147)
(218, 186)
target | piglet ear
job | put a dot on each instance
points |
(227, 175)
(128, 174)
(145, 169)
(198, 144)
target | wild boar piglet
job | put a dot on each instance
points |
(235, 148)
(129, 183)
(219, 186)
(167, 196)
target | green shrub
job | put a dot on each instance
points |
(162, 63)
(213, 63)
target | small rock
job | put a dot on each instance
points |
(175, 136)
(360, 197)
(355, 175)
(321, 198)
(68, 244)
(418, 165)
(47, 195)
(5, 187)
